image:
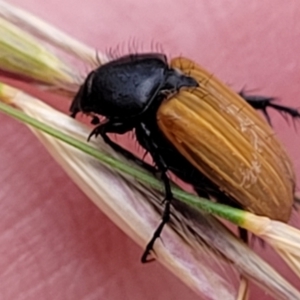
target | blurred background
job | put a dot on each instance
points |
(54, 243)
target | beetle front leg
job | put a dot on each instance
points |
(153, 149)
(119, 128)
(262, 102)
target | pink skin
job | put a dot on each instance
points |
(54, 243)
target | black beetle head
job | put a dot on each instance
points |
(82, 96)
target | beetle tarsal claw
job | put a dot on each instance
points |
(95, 132)
(145, 255)
(148, 250)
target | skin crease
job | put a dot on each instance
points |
(54, 243)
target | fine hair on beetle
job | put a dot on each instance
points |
(132, 47)
(132, 91)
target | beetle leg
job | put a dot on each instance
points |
(261, 103)
(119, 128)
(153, 149)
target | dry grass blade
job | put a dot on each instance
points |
(22, 55)
(184, 249)
(49, 33)
(292, 261)
(243, 293)
(283, 238)
(132, 206)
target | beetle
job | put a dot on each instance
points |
(140, 92)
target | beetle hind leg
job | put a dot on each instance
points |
(147, 141)
(158, 231)
(164, 221)
(262, 103)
